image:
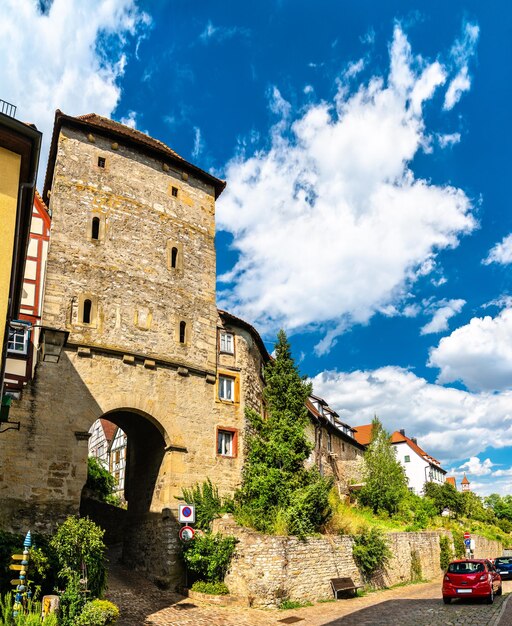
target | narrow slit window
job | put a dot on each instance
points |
(95, 232)
(86, 317)
(101, 162)
(183, 330)
(174, 191)
(174, 257)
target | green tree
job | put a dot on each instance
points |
(444, 496)
(276, 486)
(501, 506)
(385, 481)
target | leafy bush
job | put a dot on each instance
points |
(72, 600)
(458, 543)
(208, 557)
(444, 496)
(100, 482)
(309, 507)
(446, 553)
(416, 572)
(207, 501)
(98, 613)
(214, 589)
(370, 551)
(79, 548)
(293, 604)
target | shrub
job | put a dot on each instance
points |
(458, 543)
(294, 604)
(309, 507)
(446, 553)
(208, 557)
(214, 589)
(72, 600)
(98, 613)
(370, 551)
(79, 548)
(100, 482)
(207, 501)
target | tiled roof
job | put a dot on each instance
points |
(465, 480)
(109, 429)
(232, 319)
(451, 480)
(92, 121)
(363, 435)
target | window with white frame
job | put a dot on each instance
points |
(226, 388)
(225, 442)
(18, 340)
(227, 343)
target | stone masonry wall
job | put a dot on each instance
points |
(267, 569)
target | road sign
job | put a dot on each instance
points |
(186, 533)
(186, 513)
(467, 535)
(467, 543)
(18, 557)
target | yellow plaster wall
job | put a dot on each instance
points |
(9, 183)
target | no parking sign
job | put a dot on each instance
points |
(186, 513)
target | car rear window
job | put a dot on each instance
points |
(504, 561)
(465, 567)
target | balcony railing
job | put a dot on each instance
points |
(7, 108)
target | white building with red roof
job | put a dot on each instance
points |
(419, 466)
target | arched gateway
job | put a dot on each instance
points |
(131, 276)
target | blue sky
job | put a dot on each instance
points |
(366, 148)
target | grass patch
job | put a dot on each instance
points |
(293, 604)
(212, 588)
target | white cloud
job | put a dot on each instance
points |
(449, 139)
(221, 33)
(449, 423)
(461, 52)
(330, 222)
(443, 311)
(130, 120)
(456, 88)
(501, 253)
(198, 143)
(71, 57)
(478, 354)
(476, 467)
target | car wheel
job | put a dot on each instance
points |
(490, 597)
(500, 590)
(446, 600)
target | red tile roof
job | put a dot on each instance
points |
(451, 481)
(109, 429)
(363, 435)
(127, 135)
(465, 481)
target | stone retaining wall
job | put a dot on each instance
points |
(267, 569)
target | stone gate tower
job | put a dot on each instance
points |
(131, 276)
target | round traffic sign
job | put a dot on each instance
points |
(186, 511)
(186, 533)
(467, 535)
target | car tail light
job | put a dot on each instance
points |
(447, 577)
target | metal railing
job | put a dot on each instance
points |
(7, 108)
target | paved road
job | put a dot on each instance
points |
(142, 604)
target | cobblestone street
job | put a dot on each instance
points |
(141, 603)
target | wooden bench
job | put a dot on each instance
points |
(343, 585)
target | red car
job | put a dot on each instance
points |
(471, 578)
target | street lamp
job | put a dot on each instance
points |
(52, 342)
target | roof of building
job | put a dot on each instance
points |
(108, 428)
(363, 434)
(465, 480)
(237, 321)
(127, 135)
(329, 418)
(451, 481)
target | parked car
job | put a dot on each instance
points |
(504, 566)
(471, 578)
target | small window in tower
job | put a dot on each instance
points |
(95, 231)
(174, 257)
(86, 317)
(101, 162)
(183, 331)
(174, 192)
